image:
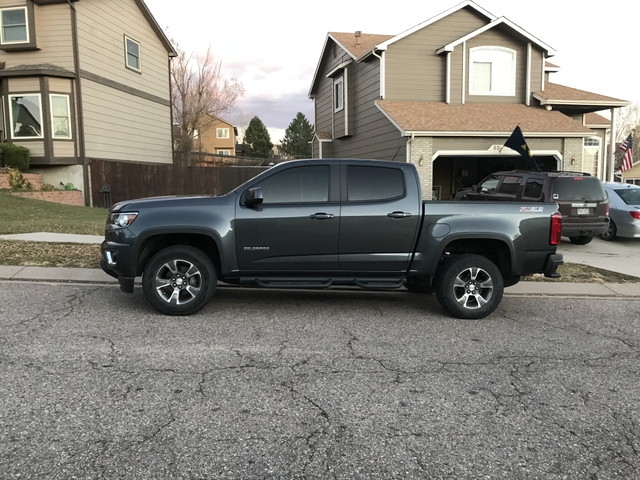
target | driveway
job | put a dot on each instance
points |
(621, 255)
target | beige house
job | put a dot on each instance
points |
(217, 136)
(83, 80)
(446, 94)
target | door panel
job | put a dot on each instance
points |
(296, 226)
(378, 222)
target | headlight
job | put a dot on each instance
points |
(122, 219)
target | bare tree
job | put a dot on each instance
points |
(627, 120)
(198, 90)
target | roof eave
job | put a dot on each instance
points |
(156, 28)
(585, 103)
(427, 133)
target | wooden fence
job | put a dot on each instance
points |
(113, 182)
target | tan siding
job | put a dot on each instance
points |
(24, 85)
(53, 38)
(101, 29)
(59, 85)
(456, 76)
(36, 149)
(536, 69)
(413, 70)
(497, 37)
(211, 143)
(120, 126)
(63, 149)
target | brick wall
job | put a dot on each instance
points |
(67, 197)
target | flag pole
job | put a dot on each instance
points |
(612, 148)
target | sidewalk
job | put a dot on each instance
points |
(95, 275)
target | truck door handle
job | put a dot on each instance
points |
(321, 216)
(398, 215)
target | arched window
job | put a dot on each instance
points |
(492, 71)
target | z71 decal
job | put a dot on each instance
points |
(531, 209)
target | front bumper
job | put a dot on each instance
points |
(116, 261)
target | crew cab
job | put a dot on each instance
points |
(320, 223)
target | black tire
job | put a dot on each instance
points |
(469, 286)
(581, 239)
(611, 233)
(179, 280)
(421, 288)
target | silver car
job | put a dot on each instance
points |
(624, 204)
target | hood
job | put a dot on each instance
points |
(169, 201)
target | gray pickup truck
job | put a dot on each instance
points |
(321, 223)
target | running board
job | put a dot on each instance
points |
(368, 283)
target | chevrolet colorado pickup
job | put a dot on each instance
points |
(318, 223)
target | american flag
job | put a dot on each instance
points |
(627, 148)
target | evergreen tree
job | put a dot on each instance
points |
(297, 137)
(257, 142)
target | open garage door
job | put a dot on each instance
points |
(453, 173)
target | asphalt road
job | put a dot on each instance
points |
(330, 384)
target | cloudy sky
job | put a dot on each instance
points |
(273, 46)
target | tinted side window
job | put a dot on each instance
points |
(578, 189)
(533, 188)
(510, 185)
(630, 196)
(308, 184)
(489, 185)
(374, 183)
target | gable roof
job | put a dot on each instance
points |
(348, 42)
(440, 16)
(499, 21)
(556, 94)
(478, 119)
(596, 120)
(156, 28)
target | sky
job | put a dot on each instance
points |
(273, 47)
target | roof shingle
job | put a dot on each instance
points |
(555, 93)
(478, 117)
(367, 41)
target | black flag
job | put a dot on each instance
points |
(517, 142)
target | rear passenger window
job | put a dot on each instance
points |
(510, 185)
(533, 188)
(374, 183)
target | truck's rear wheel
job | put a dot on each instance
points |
(179, 280)
(469, 286)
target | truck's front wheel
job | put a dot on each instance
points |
(179, 280)
(469, 286)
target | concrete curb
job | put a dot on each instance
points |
(96, 275)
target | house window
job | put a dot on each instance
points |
(60, 116)
(26, 116)
(492, 71)
(132, 53)
(224, 152)
(222, 133)
(338, 94)
(14, 25)
(591, 142)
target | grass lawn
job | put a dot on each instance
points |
(25, 215)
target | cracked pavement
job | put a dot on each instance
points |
(328, 384)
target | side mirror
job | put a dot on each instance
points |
(474, 188)
(253, 197)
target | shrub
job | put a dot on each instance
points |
(18, 182)
(14, 156)
(47, 187)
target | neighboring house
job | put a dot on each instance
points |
(83, 80)
(216, 136)
(446, 94)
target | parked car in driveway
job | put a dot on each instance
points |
(581, 198)
(624, 210)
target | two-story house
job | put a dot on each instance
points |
(83, 80)
(446, 94)
(216, 136)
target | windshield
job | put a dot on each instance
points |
(578, 189)
(630, 196)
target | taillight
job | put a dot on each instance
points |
(635, 214)
(556, 229)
